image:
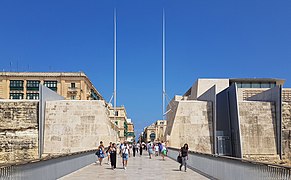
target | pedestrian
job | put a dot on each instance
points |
(150, 150)
(156, 149)
(125, 154)
(133, 149)
(107, 152)
(164, 150)
(140, 149)
(100, 152)
(184, 154)
(137, 147)
(112, 152)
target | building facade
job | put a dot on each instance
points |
(233, 117)
(130, 136)
(25, 85)
(119, 117)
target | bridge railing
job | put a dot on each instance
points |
(51, 167)
(229, 168)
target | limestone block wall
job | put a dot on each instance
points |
(18, 130)
(72, 126)
(286, 131)
(257, 123)
(191, 122)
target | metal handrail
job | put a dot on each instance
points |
(215, 167)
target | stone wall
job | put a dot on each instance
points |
(257, 123)
(190, 122)
(18, 130)
(286, 132)
(72, 126)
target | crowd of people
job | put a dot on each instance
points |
(125, 149)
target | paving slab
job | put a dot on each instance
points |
(139, 167)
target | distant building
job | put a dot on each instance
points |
(156, 131)
(119, 118)
(130, 136)
(160, 129)
(25, 85)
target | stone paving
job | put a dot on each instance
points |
(138, 168)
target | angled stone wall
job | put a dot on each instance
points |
(258, 129)
(18, 130)
(191, 122)
(286, 132)
(72, 126)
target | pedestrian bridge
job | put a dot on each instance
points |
(82, 165)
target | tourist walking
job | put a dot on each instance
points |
(133, 149)
(107, 152)
(184, 154)
(125, 155)
(150, 150)
(112, 152)
(156, 149)
(137, 147)
(140, 149)
(100, 152)
(164, 150)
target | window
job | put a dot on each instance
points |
(272, 85)
(116, 122)
(16, 95)
(256, 85)
(116, 113)
(239, 84)
(51, 84)
(73, 85)
(16, 85)
(246, 85)
(73, 97)
(32, 96)
(94, 95)
(32, 85)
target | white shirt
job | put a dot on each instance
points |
(125, 149)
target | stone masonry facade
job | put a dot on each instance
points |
(286, 132)
(18, 131)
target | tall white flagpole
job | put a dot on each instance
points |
(164, 57)
(114, 61)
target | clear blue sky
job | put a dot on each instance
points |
(204, 38)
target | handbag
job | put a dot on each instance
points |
(179, 159)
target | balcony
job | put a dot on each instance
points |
(72, 90)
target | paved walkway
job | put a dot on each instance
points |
(138, 168)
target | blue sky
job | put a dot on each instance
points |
(204, 38)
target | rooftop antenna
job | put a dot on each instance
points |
(164, 57)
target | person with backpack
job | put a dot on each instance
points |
(125, 154)
(184, 154)
(100, 152)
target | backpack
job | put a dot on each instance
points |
(98, 152)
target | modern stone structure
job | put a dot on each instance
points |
(25, 85)
(234, 117)
(190, 121)
(72, 126)
(18, 130)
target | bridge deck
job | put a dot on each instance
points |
(138, 168)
